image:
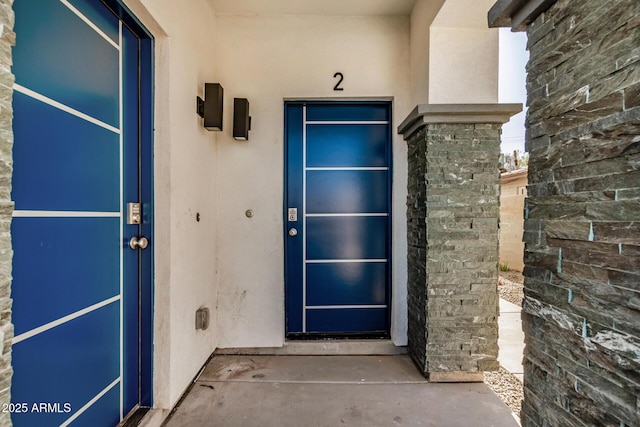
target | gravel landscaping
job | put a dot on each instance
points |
(510, 286)
(506, 385)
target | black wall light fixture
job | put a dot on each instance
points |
(210, 109)
(241, 119)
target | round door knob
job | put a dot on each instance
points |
(138, 243)
(293, 232)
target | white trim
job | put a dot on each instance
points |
(90, 403)
(58, 105)
(346, 168)
(354, 122)
(338, 261)
(304, 218)
(122, 238)
(332, 307)
(63, 320)
(64, 214)
(321, 215)
(91, 24)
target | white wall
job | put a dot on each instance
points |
(422, 16)
(464, 66)
(463, 54)
(185, 183)
(268, 59)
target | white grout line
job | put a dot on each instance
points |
(332, 261)
(354, 122)
(304, 218)
(324, 215)
(89, 403)
(63, 320)
(348, 168)
(91, 24)
(121, 171)
(60, 106)
(333, 307)
(64, 214)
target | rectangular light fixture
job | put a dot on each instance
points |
(241, 119)
(210, 108)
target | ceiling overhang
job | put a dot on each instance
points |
(314, 7)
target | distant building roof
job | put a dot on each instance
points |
(513, 175)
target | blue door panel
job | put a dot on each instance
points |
(346, 238)
(338, 177)
(101, 412)
(63, 261)
(61, 266)
(61, 57)
(294, 294)
(347, 283)
(73, 172)
(86, 348)
(347, 320)
(100, 16)
(348, 112)
(347, 145)
(347, 192)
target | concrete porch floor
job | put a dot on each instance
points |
(296, 390)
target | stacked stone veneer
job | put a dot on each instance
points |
(7, 39)
(582, 230)
(452, 219)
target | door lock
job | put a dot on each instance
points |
(293, 232)
(292, 214)
(138, 243)
(134, 213)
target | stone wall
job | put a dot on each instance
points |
(582, 230)
(7, 39)
(452, 220)
(416, 249)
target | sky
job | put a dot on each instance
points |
(512, 87)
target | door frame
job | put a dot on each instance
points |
(146, 278)
(388, 101)
(146, 193)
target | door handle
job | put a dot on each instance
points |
(293, 232)
(138, 243)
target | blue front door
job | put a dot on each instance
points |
(82, 153)
(337, 218)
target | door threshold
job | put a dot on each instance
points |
(334, 347)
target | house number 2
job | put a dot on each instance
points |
(340, 78)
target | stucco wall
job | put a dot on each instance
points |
(185, 184)
(463, 66)
(268, 59)
(513, 192)
(422, 16)
(463, 54)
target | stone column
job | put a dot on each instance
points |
(453, 213)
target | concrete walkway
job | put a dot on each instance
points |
(287, 390)
(511, 338)
(293, 388)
